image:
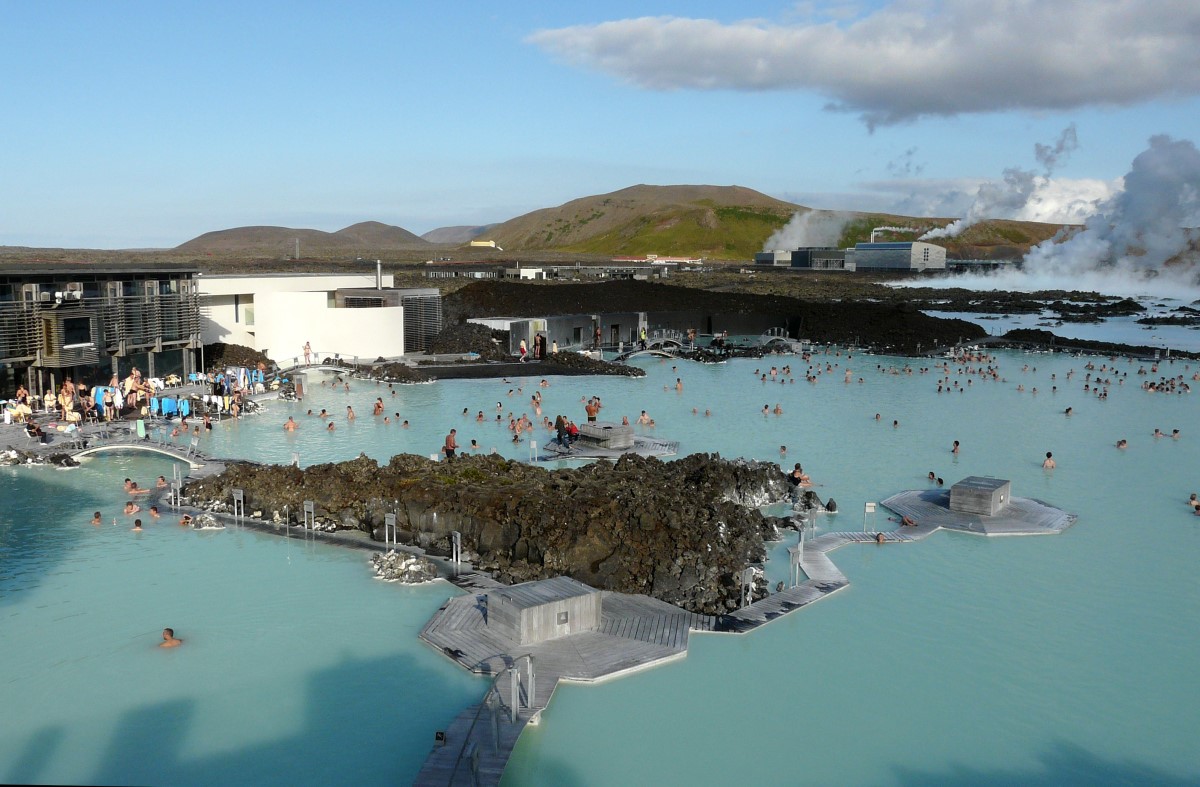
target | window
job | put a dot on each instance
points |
(562, 618)
(77, 331)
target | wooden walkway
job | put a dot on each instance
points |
(637, 632)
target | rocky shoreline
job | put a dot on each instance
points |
(681, 531)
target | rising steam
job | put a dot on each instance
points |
(1141, 241)
(1008, 197)
(813, 228)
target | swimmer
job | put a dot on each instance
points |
(1067, 411)
(1174, 434)
(290, 425)
(778, 410)
(161, 483)
(387, 419)
(128, 484)
(96, 516)
(154, 512)
(906, 521)
(895, 424)
(350, 413)
(330, 426)
(185, 520)
(1122, 443)
(1192, 501)
(931, 476)
(879, 538)
(137, 525)
(783, 450)
(169, 639)
(766, 410)
(134, 489)
(1049, 463)
(405, 424)
(954, 449)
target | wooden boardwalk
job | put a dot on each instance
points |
(637, 632)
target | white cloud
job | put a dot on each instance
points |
(912, 58)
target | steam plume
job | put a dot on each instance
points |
(812, 228)
(1142, 241)
(1142, 227)
(1006, 198)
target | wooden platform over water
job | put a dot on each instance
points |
(1021, 517)
(637, 632)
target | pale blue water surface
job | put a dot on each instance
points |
(1057, 659)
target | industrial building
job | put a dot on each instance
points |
(89, 322)
(897, 256)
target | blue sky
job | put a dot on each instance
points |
(142, 125)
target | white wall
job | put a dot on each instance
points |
(251, 285)
(273, 310)
(284, 321)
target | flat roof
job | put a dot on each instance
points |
(983, 483)
(543, 591)
(13, 268)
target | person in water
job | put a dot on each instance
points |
(96, 516)
(169, 639)
(1049, 463)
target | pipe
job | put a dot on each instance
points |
(378, 274)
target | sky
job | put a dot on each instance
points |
(142, 125)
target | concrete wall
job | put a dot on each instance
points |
(284, 321)
(278, 313)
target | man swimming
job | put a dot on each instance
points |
(169, 639)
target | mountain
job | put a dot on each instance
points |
(458, 235)
(376, 235)
(721, 222)
(366, 237)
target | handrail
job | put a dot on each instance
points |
(492, 689)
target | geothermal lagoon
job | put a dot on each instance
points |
(1064, 659)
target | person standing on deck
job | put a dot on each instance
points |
(451, 446)
(307, 353)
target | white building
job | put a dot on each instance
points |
(353, 315)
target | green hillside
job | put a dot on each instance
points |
(716, 222)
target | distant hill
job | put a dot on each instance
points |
(458, 235)
(366, 237)
(720, 222)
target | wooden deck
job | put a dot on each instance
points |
(1021, 517)
(637, 632)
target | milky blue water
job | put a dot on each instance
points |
(1064, 659)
